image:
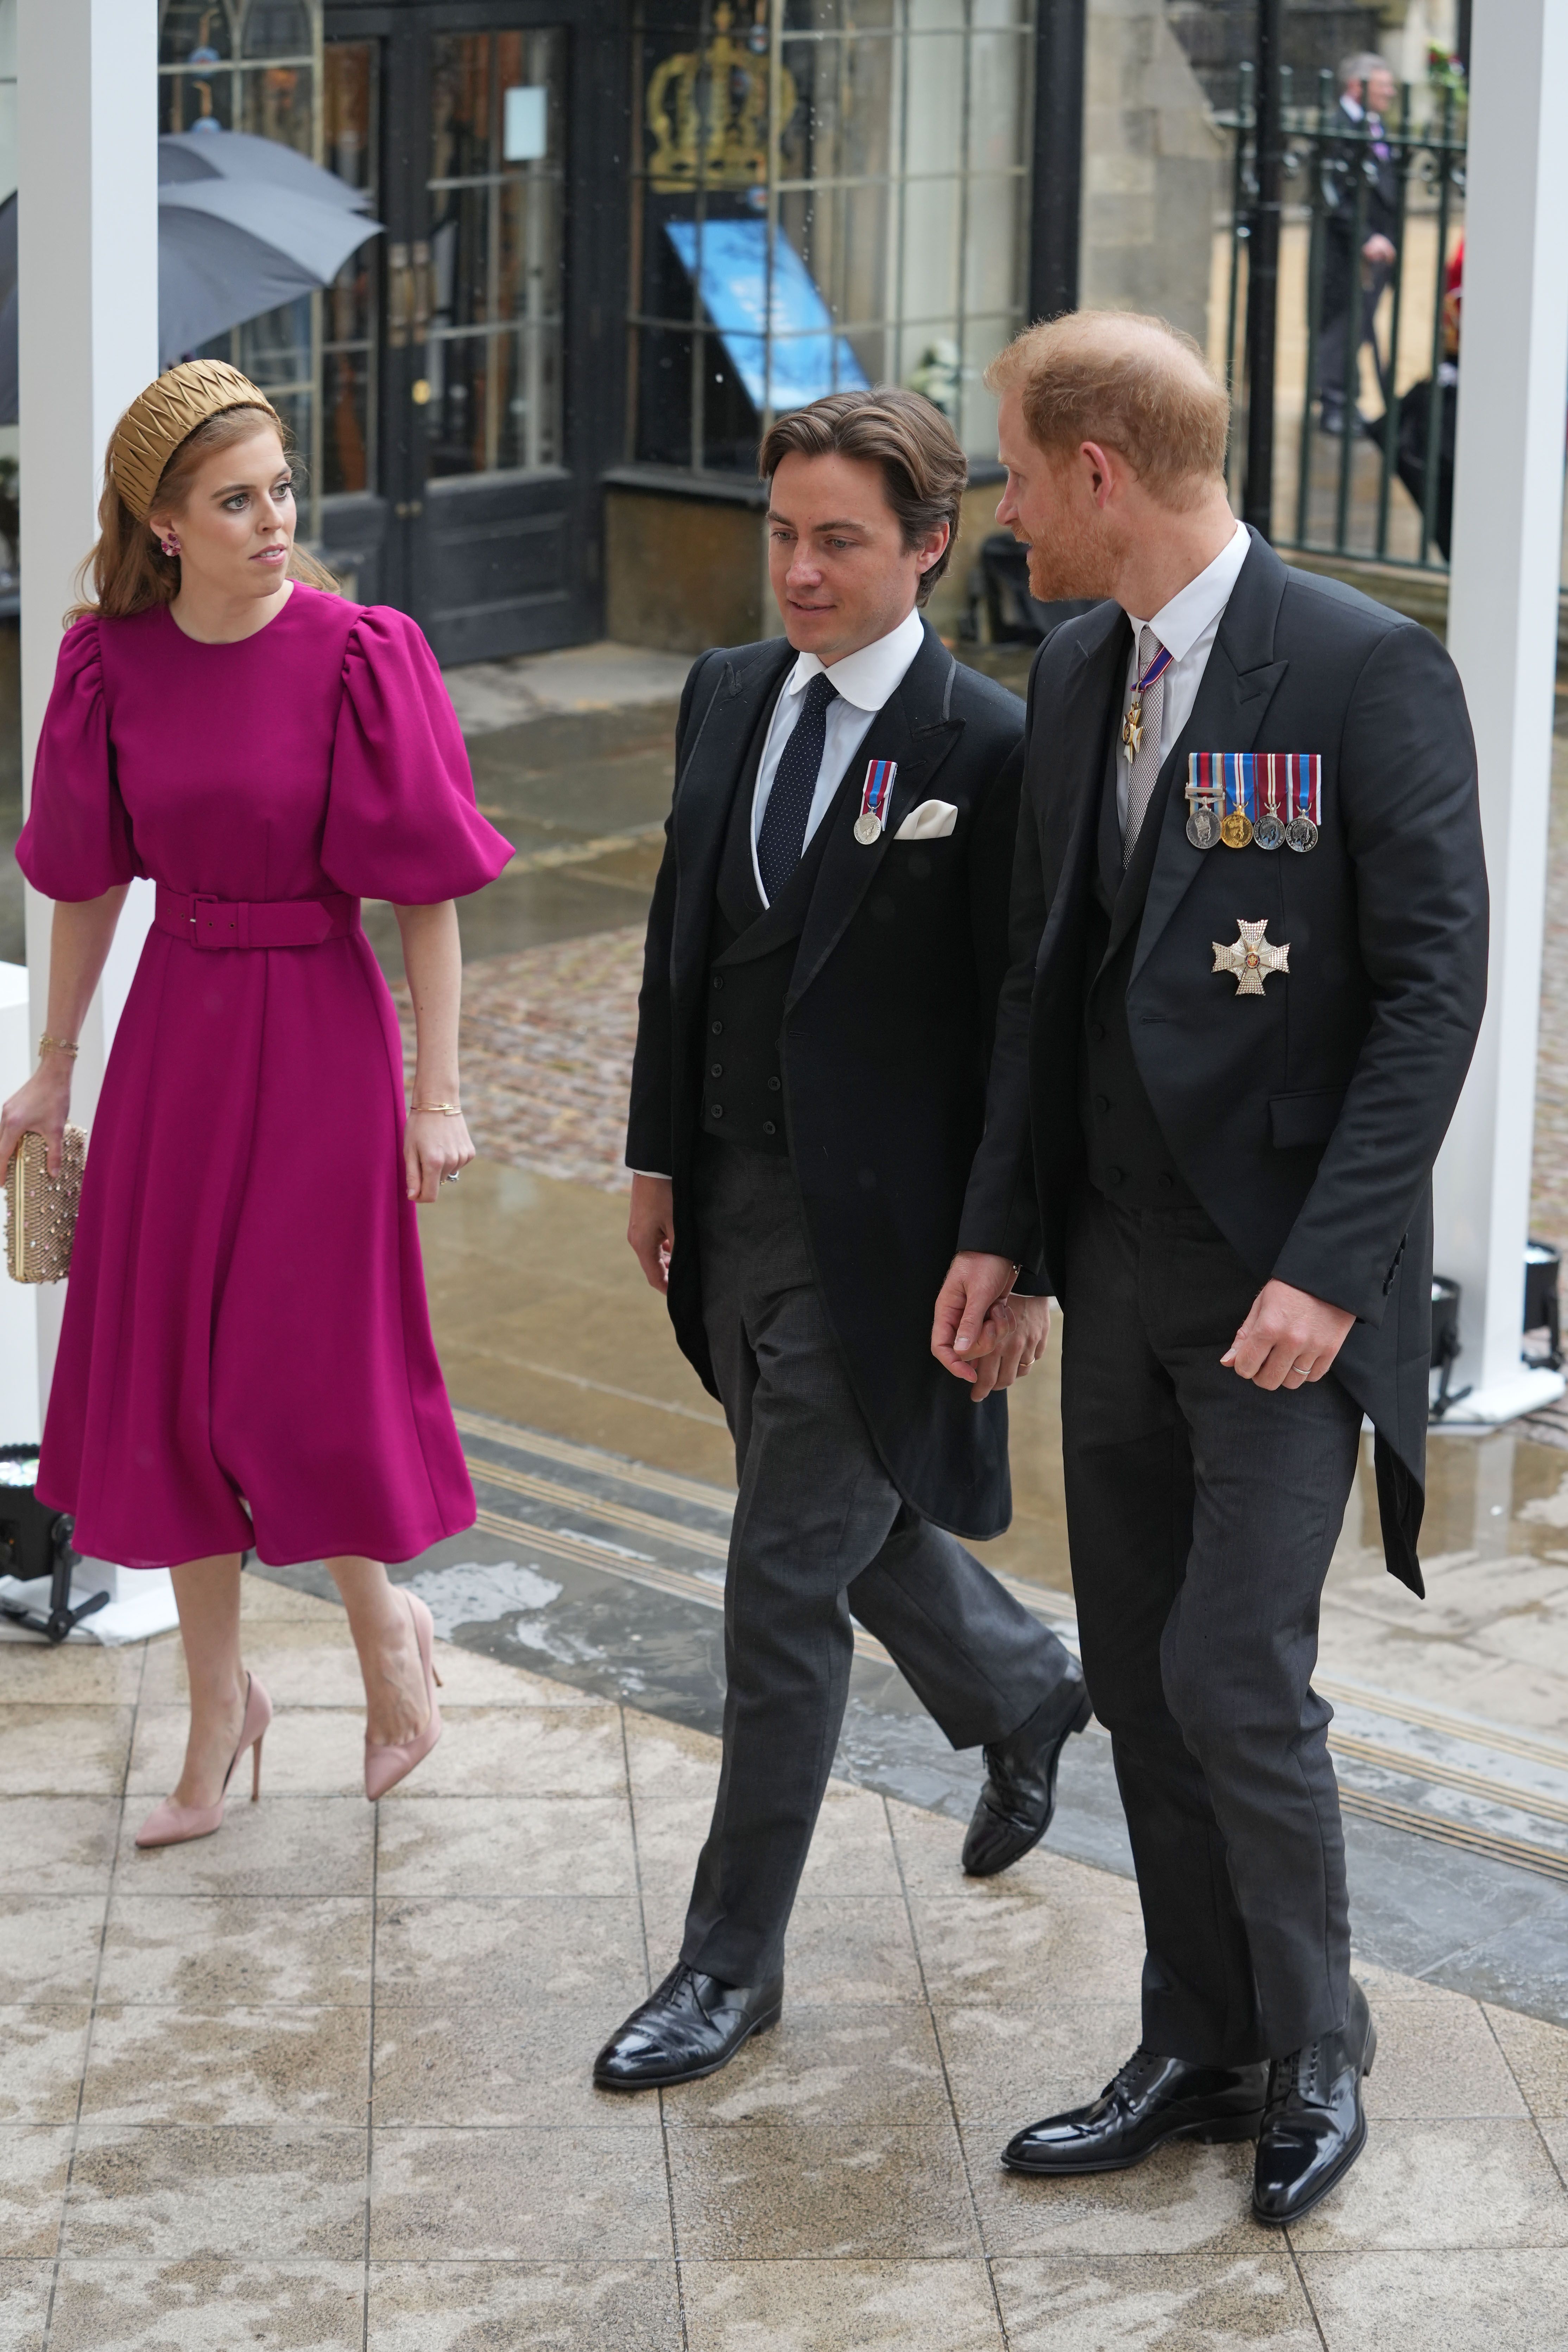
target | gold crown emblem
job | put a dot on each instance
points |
(708, 112)
(160, 418)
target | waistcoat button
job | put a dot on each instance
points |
(717, 1111)
(718, 1028)
(1113, 1175)
(716, 1070)
(768, 1126)
(773, 1086)
(1102, 1102)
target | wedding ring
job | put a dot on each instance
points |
(450, 1179)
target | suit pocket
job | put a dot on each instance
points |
(1296, 1120)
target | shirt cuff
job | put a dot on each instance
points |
(660, 1175)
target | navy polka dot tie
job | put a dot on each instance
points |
(783, 837)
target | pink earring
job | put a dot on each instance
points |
(170, 545)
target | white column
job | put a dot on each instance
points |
(1502, 633)
(87, 263)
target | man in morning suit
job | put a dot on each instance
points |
(1240, 1008)
(1354, 274)
(826, 944)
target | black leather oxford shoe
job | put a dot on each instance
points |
(1152, 2100)
(1314, 2125)
(1020, 1792)
(690, 2027)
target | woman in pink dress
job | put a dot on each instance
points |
(245, 1356)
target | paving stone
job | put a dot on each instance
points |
(232, 2066)
(1462, 2300)
(59, 1750)
(441, 1846)
(1182, 2303)
(285, 1846)
(206, 1951)
(1009, 2066)
(820, 2194)
(34, 2163)
(522, 1752)
(853, 2306)
(1449, 2184)
(486, 2065)
(24, 2303)
(1435, 2060)
(874, 2068)
(57, 1845)
(41, 2054)
(512, 2195)
(1538, 2054)
(288, 2193)
(48, 1947)
(845, 1951)
(1185, 2198)
(446, 2306)
(512, 1950)
(170, 2306)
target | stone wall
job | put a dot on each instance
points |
(1152, 169)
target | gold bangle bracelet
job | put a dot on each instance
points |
(445, 1110)
(47, 1044)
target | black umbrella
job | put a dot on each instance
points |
(243, 226)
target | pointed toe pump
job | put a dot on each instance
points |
(387, 1762)
(172, 1824)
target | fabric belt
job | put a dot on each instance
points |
(203, 922)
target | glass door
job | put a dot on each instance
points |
(471, 429)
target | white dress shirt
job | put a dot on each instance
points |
(1187, 626)
(865, 681)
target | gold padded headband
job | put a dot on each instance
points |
(160, 418)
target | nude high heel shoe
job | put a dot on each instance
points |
(389, 1761)
(172, 1824)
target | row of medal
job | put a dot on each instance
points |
(1267, 798)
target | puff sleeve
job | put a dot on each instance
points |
(76, 843)
(401, 819)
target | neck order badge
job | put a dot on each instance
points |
(875, 795)
(1132, 725)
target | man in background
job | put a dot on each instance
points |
(1354, 274)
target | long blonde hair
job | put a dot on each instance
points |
(128, 568)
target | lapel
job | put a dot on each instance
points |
(1083, 726)
(1238, 684)
(705, 789)
(912, 728)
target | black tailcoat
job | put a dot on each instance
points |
(1306, 1120)
(887, 1035)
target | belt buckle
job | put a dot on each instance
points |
(201, 900)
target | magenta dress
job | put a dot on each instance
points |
(247, 1356)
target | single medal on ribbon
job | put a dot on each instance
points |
(876, 794)
(1272, 801)
(1205, 799)
(1303, 799)
(1235, 827)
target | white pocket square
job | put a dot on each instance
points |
(933, 820)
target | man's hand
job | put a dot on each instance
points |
(1378, 250)
(1027, 1323)
(1288, 1339)
(970, 1322)
(651, 1227)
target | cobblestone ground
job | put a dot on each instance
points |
(547, 1040)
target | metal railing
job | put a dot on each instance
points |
(1335, 492)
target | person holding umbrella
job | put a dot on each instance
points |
(245, 1356)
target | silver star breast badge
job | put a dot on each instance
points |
(1250, 957)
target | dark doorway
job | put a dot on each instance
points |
(469, 408)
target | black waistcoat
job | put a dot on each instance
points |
(750, 960)
(1128, 1157)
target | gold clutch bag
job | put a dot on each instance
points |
(40, 1209)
